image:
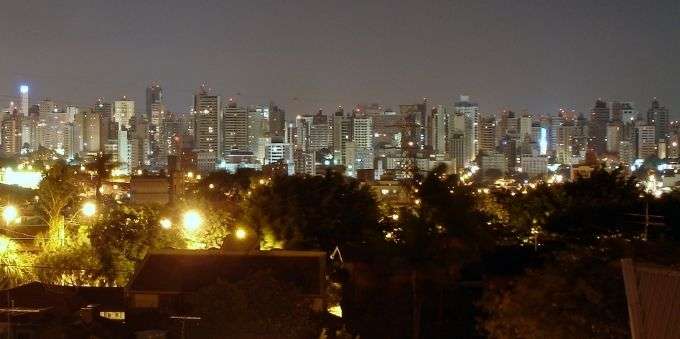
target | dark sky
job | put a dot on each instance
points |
(534, 55)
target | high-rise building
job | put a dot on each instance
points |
(362, 136)
(488, 134)
(342, 134)
(414, 133)
(597, 127)
(277, 123)
(88, 124)
(10, 132)
(154, 104)
(208, 126)
(622, 111)
(235, 124)
(123, 111)
(471, 112)
(614, 134)
(657, 116)
(456, 148)
(319, 133)
(437, 134)
(23, 91)
(646, 141)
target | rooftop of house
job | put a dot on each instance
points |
(185, 271)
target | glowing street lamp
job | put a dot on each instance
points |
(241, 233)
(9, 214)
(89, 209)
(166, 223)
(192, 220)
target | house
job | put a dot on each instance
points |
(158, 290)
(37, 310)
(653, 295)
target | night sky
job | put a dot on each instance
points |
(533, 55)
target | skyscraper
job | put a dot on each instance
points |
(123, 111)
(154, 104)
(437, 134)
(277, 123)
(597, 127)
(208, 126)
(235, 124)
(23, 90)
(471, 112)
(657, 116)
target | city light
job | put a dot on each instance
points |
(89, 208)
(23, 89)
(165, 223)
(9, 214)
(192, 220)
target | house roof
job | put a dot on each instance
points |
(653, 295)
(36, 295)
(185, 271)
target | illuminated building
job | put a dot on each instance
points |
(437, 134)
(657, 116)
(154, 104)
(208, 127)
(597, 127)
(614, 133)
(123, 111)
(471, 112)
(487, 134)
(235, 124)
(534, 165)
(646, 141)
(23, 91)
(277, 123)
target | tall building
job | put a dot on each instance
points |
(277, 123)
(235, 125)
(487, 135)
(258, 125)
(10, 132)
(414, 134)
(437, 134)
(456, 148)
(88, 125)
(154, 104)
(471, 112)
(597, 127)
(362, 136)
(657, 116)
(208, 126)
(319, 133)
(23, 91)
(342, 134)
(646, 141)
(123, 111)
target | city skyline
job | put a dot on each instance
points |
(316, 55)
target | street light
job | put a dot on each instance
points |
(241, 233)
(166, 223)
(192, 220)
(9, 214)
(89, 209)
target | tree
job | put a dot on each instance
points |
(102, 167)
(578, 295)
(313, 212)
(442, 230)
(58, 194)
(15, 265)
(122, 236)
(258, 306)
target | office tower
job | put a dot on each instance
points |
(342, 133)
(88, 133)
(437, 134)
(280, 153)
(123, 111)
(71, 112)
(646, 141)
(362, 136)
(622, 111)
(657, 116)
(235, 124)
(525, 135)
(123, 158)
(304, 162)
(47, 106)
(10, 132)
(258, 121)
(614, 134)
(534, 165)
(277, 123)
(456, 148)
(23, 91)
(108, 128)
(320, 132)
(597, 127)
(303, 127)
(488, 134)
(154, 104)
(208, 131)
(414, 131)
(471, 112)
